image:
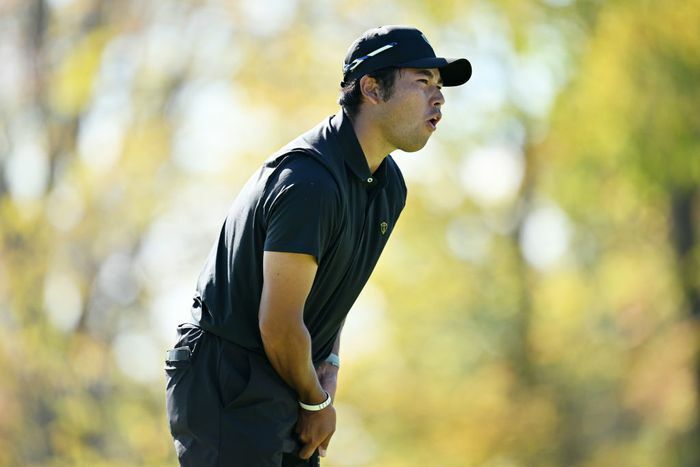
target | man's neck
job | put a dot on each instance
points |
(374, 146)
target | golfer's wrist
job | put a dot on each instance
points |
(313, 397)
(327, 401)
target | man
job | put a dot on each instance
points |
(251, 381)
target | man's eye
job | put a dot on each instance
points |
(423, 81)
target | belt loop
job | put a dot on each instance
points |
(178, 354)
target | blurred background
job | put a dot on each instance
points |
(537, 305)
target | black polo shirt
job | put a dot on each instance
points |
(314, 196)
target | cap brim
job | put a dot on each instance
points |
(453, 71)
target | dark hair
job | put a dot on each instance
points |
(351, 94)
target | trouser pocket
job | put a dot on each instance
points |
(259, 410)
(235, 374)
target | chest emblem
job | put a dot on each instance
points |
(382, 227)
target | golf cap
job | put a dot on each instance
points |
(402, 47)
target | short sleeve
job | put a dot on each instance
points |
(300, 209)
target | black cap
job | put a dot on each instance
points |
(402, 47)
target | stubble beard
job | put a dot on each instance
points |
(405, 137)
(411, 140)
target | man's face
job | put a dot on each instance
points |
(411, 114)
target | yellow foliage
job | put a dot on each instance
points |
(71, 83)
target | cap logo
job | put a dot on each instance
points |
(355, 63)
(382, 227)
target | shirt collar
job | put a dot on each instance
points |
(352, 151)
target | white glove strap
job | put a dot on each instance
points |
(317, 407)
(334, 359)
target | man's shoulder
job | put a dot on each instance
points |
(305, 172)
(301, 166)
(301, 186)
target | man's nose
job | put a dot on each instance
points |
(438, 99)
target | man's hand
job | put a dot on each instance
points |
(328, 377)
(315, 430)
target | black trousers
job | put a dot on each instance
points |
(227, 406)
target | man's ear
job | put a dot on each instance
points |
(370, 89)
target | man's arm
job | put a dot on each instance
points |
(328, 373)
(328, 376)
(287, 280)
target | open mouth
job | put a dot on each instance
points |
(432, 122)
